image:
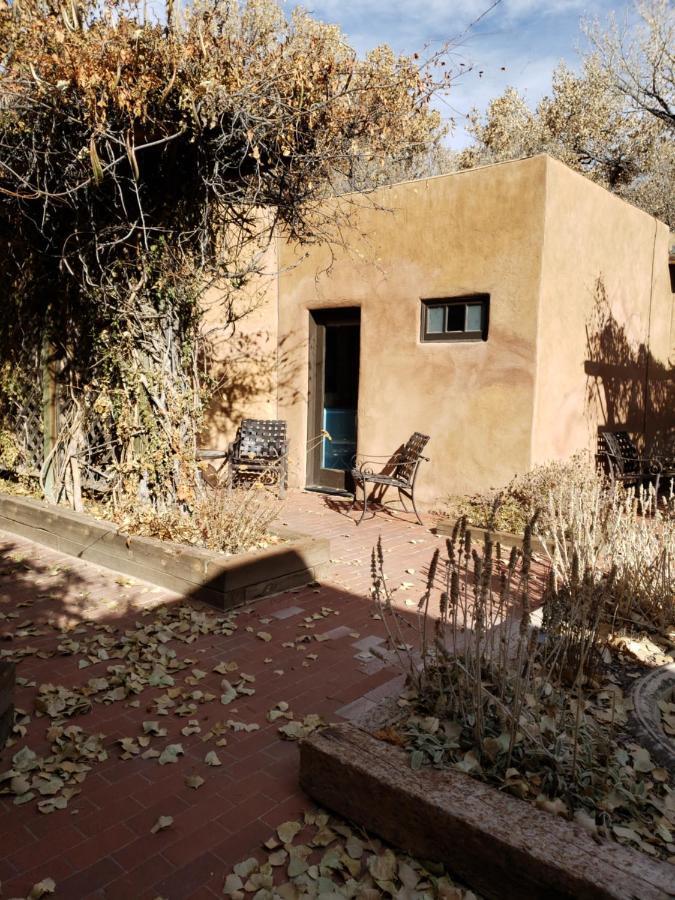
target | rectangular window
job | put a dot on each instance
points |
(456, 318)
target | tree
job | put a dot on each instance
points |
(142, 163)
(592, 123)
(640, 59)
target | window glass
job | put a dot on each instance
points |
(463, 318)
(456, 317)
(474, 317)
(435, 319)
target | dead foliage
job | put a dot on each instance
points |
(148, 155)
(322, 856)
(514, 686)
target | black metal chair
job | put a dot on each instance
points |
(399, 471)
(259, 452)
(619, 457)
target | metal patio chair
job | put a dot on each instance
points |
(259, 451)
(398, 471)
(619, 457)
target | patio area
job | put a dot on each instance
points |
(308, 647)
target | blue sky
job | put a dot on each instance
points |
(527, 37)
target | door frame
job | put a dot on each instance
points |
(316, 476)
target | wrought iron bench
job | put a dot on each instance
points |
(398, 471)
(619, 457)
(259, 451)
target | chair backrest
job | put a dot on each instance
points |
(621, 449)
(410, 457)
(262, 438)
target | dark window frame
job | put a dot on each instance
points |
(482, 300)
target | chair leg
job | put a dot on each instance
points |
(400, 497)
(412, 500)
(365, 502)
(356, 484)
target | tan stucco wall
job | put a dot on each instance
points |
(581, 318)
(475, 231)
(604, 318)
(244, 354)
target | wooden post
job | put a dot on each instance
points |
(49, 416)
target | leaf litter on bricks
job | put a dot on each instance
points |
(321, 856)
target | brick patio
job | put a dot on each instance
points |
(101, 845)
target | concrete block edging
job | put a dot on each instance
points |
(500, 846)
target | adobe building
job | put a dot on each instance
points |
(509, 312)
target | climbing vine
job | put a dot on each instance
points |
(147, 161)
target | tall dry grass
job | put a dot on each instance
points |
(623, 536)
(484, 663)
(503, 657)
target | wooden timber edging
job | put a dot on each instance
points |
(500, 846)
(223, 581)
(505, 538)
(7, 683)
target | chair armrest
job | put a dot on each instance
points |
(393, 458)
(655, 463)
(213, 454)
(364, 464)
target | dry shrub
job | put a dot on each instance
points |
(221, 520)
(623, 536)
(484, 664)
(517, 695)
(644, 556)
(512, 507)
(237, 520)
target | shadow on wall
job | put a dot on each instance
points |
(248, 383)
(627, 387)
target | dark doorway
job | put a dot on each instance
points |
(334, 348)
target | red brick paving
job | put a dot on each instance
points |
(101, 845)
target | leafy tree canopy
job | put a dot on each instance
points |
(613, 121)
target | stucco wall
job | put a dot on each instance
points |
(244, 354)
(475, 231)
(604, 318)
(581, 322)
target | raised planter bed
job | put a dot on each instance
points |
(505, 538)
(499, 845)
(223, 581)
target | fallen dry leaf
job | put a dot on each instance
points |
(170, 754)
(162, 823)
(42, 888)
(194, 781)
(288, 830)
(211, 759)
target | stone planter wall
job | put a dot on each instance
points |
(502, 847)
